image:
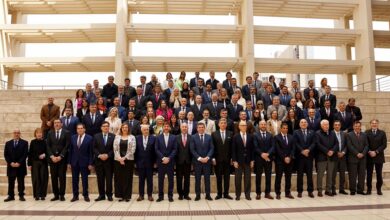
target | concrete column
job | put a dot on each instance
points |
(362, 17)
(246, 46)
(343, 52)
(3, 44)
(121, 46)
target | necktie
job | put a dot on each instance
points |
(250, 115)
(105, 139)
(139, 99)
(201, 138)
(156, 98)
(339, 139)
(244, 140)
(285, 139)
(327, 111)
(327, 97)
(93, 118)
(166, 140)
(67, 121)
(253, 101)
(206, 122)
(15, 143)
(120, 98)
(131, 123)
(374, 131)
(263, 135)
(235, 107)
(304, 136)
(184, 140)
(145, 142)
(143, 89)
(312, 120)
(182, 109)
(270, 97)
(58, 135)
(79, 142)
(343, 114)
(215, 105)
(223, 137)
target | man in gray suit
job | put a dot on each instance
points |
(341, 162)
(257, 83)
(357, 144)
(281, 109)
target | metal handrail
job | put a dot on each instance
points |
(378, 82)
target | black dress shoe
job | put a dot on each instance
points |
(181, 197)
(170, 199)
(248, 198)
(311, 195)
(368, 193)
(353, 193)
(361, 193)
(127, 200)
(110, 199)
(121, 200)
(62, 198)
(299, 195)
(187, 198)
(21, 198)
(334, 193)
(100, 198)
(228, 197)
(36, 198)
(9, 199)
(43, 198)
(379, 193)
(159, 199)
(258, 197)
(86, 198)
(278, 197)
(289, 196)
(197, 198)
(328, 194)
(268, 196)
(237, 198)
(218, 197)
(343, 192)
(74, 199)
(55, 198)
(208, 197)
(319, 194)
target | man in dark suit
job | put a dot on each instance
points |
(253, 97)
(354, 110)
(214, 107)
(341, 162)
(328, 96)
(166, 149)
(80, 160)
(198, 108)
(200, 88)
(194, 81)
(206, 96)
(377, 142)
(134, 124)
(58, 142)
(133, 107)
(123, 98)
(284, 154)
(129, 91)
(89, 94)
(202, 150)
(344, 117)
(15, 154)
(328, 113)
(182, 107)
(92, 120)
(69, 121)
(145, 159)
(268, 96)
(224, 115)
(183, 162)
(307, 90)
(285, 97)
(298, 111)
(326, 155)
(233, 87)
(212, 81)
(313, 122)
(157, 96)
(304, 145)
(104, 155)
(110, 90)
(146, 88)
(226, 84)
(191, 123)
(242, 157)
(263, 155)
(246, 88)
(234, 108)
(358, 147)
(140, 99)
(168, 91)
(222, 141)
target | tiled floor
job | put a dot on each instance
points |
(339, 207)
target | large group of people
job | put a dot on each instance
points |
(180, 127)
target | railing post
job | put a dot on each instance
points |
(379, 85)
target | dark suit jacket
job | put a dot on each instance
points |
(166, 151)
(82, 156)
(135, 129)
(330, 118)
(263, 145)
(58, 147)
(306, 93)
(177, 110)
(194, 127)
(130, 91)
(240, 153)
(285, 100)
(313, 126)
(298, 112)
(16, 154)
(283, 150)
(357, 145)
(142, 103)
(183, 155)
(225, 85)
(205, 98)
(214, 112)
(301, 144)
(72, 124)
(110, 91)
(324, 143)
(93, 128)
(193, 82)
(199, 149)
(222, 151)
(234, 114)
(343, 137)
(231, 90)
(230, 125)
(125, 101)
(377, 143)
(332, 98)
(198, 112)
(145, 158)
(100, 148)
(148, 89)
(267, 100)
(213, 84)
(245, 91)
(355, 111)
(347, 122)
(155, 102)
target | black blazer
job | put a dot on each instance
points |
(301, 144)
(240, 153)
(100, 148)
(145, 158)
(263, 145)
(324, 143)
(193, 82)
(142, 103)
(332, 98)
(37, 147)
(222, 151)
(58, 147)
(135, 129)
(283, 150)
(213, 84)
(92, 128)
(148, 89)
(230, 124)
(347, 122)
(330, 118)
(377, 143)
(125, 100)
(214, 112)
(357, 145)
(234, 114)
(198, 112)
(16, 154)
(183, 155)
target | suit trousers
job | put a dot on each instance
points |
(11, 185)
(341, 167)
(280, 168)
(246, 169)
(58, 177)
(222, 172)
(168, 170)
(40, 178)
(266, 167)
(323, 166)
(205, 169)
(357, 171)
(76, 171)
(305, 166)
(145, 174)
(104, 174)
(183, 172)
(379, 179)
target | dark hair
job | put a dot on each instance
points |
(284, 124)
(105, 123)
(80, 124)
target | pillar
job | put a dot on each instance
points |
(3, 45)
(364, 45)
(343, 52)
(121, 43)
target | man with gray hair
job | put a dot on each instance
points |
(276, 106)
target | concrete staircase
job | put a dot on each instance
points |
(20, 109)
